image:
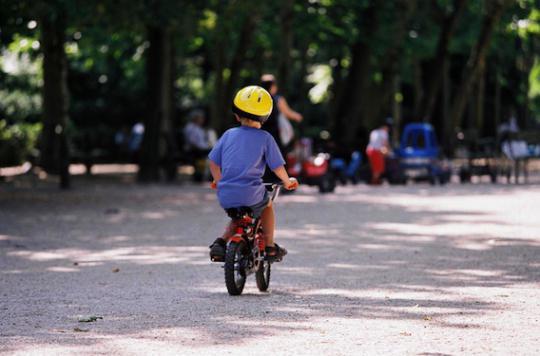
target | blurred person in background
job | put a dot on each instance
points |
(281, 108)
(511, 145)
(128, 142)
(278, 124)
(198, 141)
(378, 148)
(136, 137)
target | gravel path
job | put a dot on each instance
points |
(414, 270)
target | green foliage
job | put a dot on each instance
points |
(19, 105)
(534, 89)
(534, 80)
(20, 79)
(18, 142)
(20, 95)
(107, 44)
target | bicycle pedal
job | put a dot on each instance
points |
(217, 259)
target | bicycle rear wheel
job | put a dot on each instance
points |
(235, 272)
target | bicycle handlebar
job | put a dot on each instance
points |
(213, 185)
(273, 184)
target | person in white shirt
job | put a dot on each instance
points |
(377, 149)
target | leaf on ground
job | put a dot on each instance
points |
(116, 270)
(79, 330)
(405, 333)
(89, 319)
(428, 318)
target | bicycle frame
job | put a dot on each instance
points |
(246, 249)
(248, 229)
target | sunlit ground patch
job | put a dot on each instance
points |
(62, 269)
(143, 255)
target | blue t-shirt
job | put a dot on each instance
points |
(243, 153)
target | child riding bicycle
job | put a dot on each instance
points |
(238, 162)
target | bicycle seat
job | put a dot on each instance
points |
(239, 213)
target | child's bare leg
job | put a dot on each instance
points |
(217, 248)
(229, 231)
(268, 224)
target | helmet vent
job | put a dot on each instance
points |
(259, 99)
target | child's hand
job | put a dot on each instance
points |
(213, 185)
(291, 184)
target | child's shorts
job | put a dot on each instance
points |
(259, 207)
(256, 209)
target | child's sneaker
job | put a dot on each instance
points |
(217, 250)
(275, 253)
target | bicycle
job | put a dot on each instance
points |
(245, 253)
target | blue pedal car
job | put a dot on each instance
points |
(419, 155)
(350, 171)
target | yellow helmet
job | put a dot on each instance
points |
(253, 102)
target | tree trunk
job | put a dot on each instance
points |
(355, 88)
(480, 96)
(336, 89)
(356, 84)
(286, 17)
(396, 110)
(476, 58)
(525, 63)
(391, 62)
(239, 56)
(433, 75)
(447, 134)
(363, 102)
(226, 71)
(55, 152)
(158, 118)
(217, 119)
(497, 99)
(418, 88)
(300, 96)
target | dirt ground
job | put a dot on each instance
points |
(414, 270)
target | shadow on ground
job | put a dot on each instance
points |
(137, 257)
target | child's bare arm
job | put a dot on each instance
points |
(216, 171)
(288, 183)
(287, 111)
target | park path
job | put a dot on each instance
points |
(413, 270)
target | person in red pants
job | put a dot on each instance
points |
(377, 149)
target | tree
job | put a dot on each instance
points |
(433, 74)
(364, 99)
(155, 60)
(230, 39)
(55, 152)
(157, 147)
(159, 87)
(476, 59)
(286, 35)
